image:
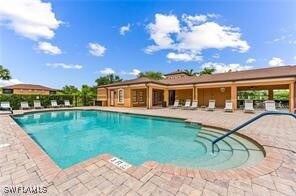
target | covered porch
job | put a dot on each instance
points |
(282, 92)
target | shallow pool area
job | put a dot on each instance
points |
(70, 137)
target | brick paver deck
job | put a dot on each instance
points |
(23, 163)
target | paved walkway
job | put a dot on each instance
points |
(23, 163)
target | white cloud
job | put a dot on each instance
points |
(64, 66)
(48, 48)
(275, 62)
(160, 31)
(192, 35)
(135, 72)
(9, 82)
(124, 29)
(222, 67)
(250, 60)
(183, 57)
(107, 71)
(33, 19)
(96, 49)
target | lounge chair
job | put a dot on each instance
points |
(194, 105)
(211, 106)
(5, 105)
(249, 106)
(228, 106)
(24, 105)
(67, 103)
(187, 104)
(37, 104)
(176, 104)
(54, 104)
(270, 105)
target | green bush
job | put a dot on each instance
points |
(15, 100)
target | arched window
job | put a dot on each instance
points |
(120, 96)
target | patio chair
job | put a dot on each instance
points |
(5, 106)
(176, 104)
(67, 103)
(211, 106)
(54, 104)
(228, 106)
(37, 104)
(187, 104)
(249, 106)
(25, 105)
(194, 105)
(270, 105)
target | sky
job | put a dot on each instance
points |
(64, 42)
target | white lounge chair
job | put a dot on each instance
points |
(54, 104)
(270, 105)
(194, 105)
(37, 104)
(187, 104)
(249, 108)
(228, 106)
(211, 106)
(176, 104)
(67, 103)
(5, 105)
(24, 105)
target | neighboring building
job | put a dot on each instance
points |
(144, 92)
(28, 89)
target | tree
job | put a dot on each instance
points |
(4, 73)
(190, 72)
(70, 90)
(88, 94)
(151, 74)
(207, 71)
(108, 79)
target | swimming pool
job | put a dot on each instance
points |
(70, 137)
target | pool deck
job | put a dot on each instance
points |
(24, 163)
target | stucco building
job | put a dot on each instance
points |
(144, 92)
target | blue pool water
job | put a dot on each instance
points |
(70, 137)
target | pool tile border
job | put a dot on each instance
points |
(53, 173)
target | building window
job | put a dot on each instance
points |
(141, 98)
(120, 96)
(135, 97)
(7, 91)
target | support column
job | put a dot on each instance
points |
(270, 94)
(234, 96)
(128, 99)
(196, 93)
(193, 94)
(149, 96)
(292, 96)
(166, 96)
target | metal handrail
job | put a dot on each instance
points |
(249, 122)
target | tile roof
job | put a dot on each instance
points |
(263, 73)
(29, 86)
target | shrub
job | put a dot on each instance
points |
(15, 100)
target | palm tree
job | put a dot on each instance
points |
(4, 73)
(190, 72)
(151, 74)
(207, 71)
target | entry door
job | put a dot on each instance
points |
(155, 98)
(112, 98)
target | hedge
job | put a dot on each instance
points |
(15, 100)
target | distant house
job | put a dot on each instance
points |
(28, 89)
(178, 85)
